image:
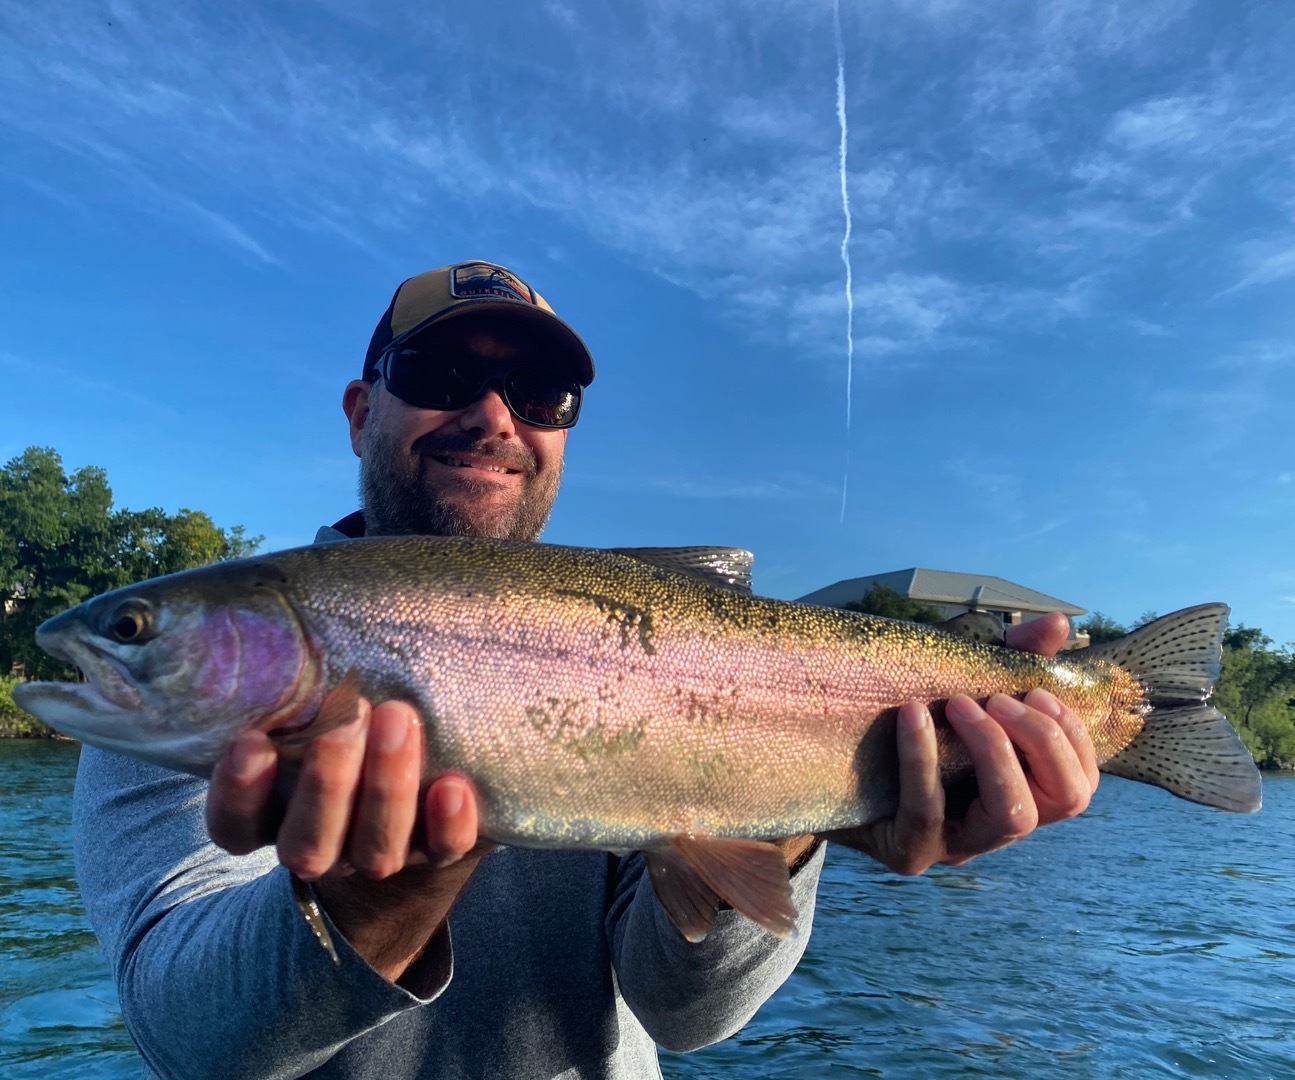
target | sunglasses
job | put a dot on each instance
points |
(447, 379)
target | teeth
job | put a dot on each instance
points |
(460, 463)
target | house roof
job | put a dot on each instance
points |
(946, 587)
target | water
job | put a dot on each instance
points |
(1152, 938)
(58, 1008)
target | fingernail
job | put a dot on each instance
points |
(1044, 702)
(390, 732)
(449, 798)
(963, 708)
(248, 759)
(348, 731)
(1006, 707)
(916, 717)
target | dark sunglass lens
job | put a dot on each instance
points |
(543, 398)
(433, 380)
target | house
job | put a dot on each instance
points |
(954, 593)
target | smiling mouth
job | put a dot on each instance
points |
(479, 466)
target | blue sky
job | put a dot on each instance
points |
(1073, 257)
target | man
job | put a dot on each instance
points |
(456, 960)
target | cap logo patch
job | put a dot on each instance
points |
(475, 280)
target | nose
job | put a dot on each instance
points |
(489, 415)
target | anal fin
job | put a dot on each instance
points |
(687, 899)
(751, 876)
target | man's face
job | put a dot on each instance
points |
(475, 471)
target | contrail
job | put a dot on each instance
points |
(845, 249)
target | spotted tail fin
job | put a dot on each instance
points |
(1186, 745)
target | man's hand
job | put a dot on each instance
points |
(1056, 781)
(351, 826)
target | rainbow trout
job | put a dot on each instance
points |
(640, 699)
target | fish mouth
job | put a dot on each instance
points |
(107, 681)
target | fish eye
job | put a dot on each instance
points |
(131, 623)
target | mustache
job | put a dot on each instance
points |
(453, 444)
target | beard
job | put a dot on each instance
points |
(399, 498)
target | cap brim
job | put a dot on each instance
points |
(565, 341)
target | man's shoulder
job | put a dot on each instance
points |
(349, 528)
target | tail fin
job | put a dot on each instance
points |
(1186, 746)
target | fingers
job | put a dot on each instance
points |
(386, 804)
(354, 806)
(240, 799)
(1068, 791)
(918, 831)
(318, 817)
(1044, 635)
(1034, 763)
(450, 818)
(1061, 767)
(1005, 809)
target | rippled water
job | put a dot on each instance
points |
(1152, 938)
(58, 1009)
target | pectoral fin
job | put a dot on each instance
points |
(340, 706)
(749, 875)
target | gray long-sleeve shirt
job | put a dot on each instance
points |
(552, 963)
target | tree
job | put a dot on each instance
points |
(881, 600)
(1100, 628)
(61, 542)
(1255, 691)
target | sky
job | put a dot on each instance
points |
(1071, 254)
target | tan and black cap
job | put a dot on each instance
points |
(475, 290)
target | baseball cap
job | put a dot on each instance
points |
(480, 290)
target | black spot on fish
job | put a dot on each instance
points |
(632, 622)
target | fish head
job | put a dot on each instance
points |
(175, 668)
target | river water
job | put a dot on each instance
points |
(1150, 938)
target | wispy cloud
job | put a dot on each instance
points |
(666, 134)
(786, 487)
(1242, 388)
(1188, 123)
(1264, 262)
(723, 488)
(1149, 329)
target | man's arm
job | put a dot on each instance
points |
(217, 972)
(188, 927)
(349, 826)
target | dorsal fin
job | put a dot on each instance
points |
(977, 626)
(724, 566)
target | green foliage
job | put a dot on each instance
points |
(881, 600)
(1100, 628)
(62, 541)
(1256, 691)
(14, 723)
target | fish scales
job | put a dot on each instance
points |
(608, 700)
(642, 703)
